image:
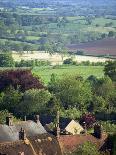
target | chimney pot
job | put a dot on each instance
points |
(58, 126)
(22, 134)
(25, 118)
(37, 119)
(9, 121)
(98, 131)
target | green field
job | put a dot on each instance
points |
(85, 71)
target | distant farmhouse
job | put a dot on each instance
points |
(31, 138)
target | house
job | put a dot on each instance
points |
(30, 138)
(70, 143)
(73, 127)
(66, 125)
(27, 138)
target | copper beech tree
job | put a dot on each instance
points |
(21, 79)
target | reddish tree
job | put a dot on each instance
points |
(23, 79)
(88, 119)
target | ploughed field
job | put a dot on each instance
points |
(99, 47)
(85, 71)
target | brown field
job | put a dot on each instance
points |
(99, 47)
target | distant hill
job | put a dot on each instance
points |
(32, 3)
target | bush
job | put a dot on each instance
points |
(68, 61)
(6, 60)
(87, 148)
(89, 120)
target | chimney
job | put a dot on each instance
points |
(98, 131)
(25, 118)
(37, 119)
(58, 127)
(22, 134)
(85, 127)
(9, 121)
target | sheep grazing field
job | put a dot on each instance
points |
(54, 58)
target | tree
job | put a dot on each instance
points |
(68, 61)
(98, 104)
(6, 60)
(110, 70)
(73, 91)
(3, 115)
(54, 105)
(11, 99)
(22, 79)
(87, 148)
(34, 100)
(111, 34)
(105, 90)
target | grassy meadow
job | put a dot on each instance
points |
(45, 72)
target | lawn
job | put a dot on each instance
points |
(85, 71)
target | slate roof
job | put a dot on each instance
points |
(11, 133)
(43, 144)
(31, 128)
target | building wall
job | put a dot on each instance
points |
(74, 128)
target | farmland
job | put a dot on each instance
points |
(53, 28)
(99, 47)
(55, 58)
(60, 71)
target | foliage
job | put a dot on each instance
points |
(69, 61)
(87, 148)
(22, 79)
(106, 89)
(53, 105)
(72, 91)
(6, 60)
(109, 126)
(110, 70)
(11, 99)
(31, 63)
(89, 120)
(72, 113)
(4, 114)
(98, 104)
(34, 100)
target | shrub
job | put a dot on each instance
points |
(89, 120)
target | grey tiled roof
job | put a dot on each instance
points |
(31, 128)
(11, 133)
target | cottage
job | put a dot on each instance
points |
(73, 127)
(66, 125)
(27, 138)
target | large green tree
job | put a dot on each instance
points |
(34, 100)
(6, 60)
(110, 70)
(73, 91)
(10, 100)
